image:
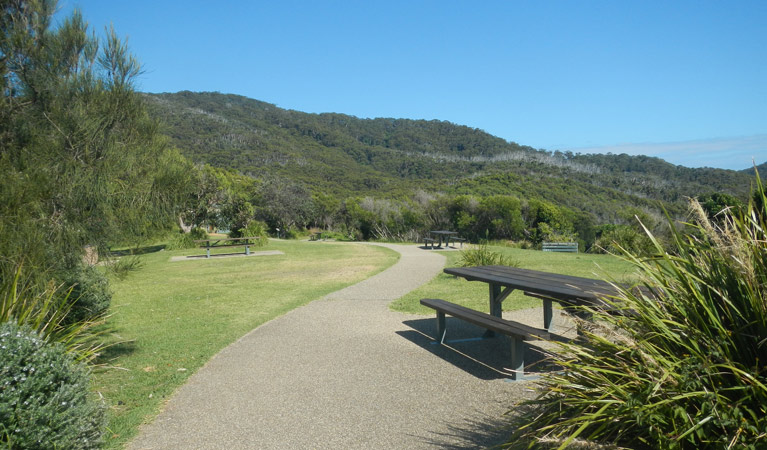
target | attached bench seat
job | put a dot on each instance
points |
(429, 241)
(458, 239)
(518, 332)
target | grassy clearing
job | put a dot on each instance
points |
(475, 295)
(174, 316)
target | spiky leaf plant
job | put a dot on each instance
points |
(46, 314)
(481, 255)
(687, 368)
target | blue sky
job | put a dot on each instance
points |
(684, 81)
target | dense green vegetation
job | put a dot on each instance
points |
(88, 164)
(82, 163)
(686, 369)
(82, 167)
(387, 178)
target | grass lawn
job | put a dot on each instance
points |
(172, 317)
(475, 294)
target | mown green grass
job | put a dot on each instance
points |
(172, 317)
(475, 294)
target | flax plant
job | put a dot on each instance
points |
(45, 312)
(686, 366)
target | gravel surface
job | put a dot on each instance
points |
(346, 372)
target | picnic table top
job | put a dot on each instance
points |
(569, 289)
(224, 239)
(445, 232)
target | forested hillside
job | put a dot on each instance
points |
(342, 155)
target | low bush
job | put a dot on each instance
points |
(181, 240)
(255, 229)
(616, 239)
(90, 294)
(483, 256)
(687, 369)
(45, 400)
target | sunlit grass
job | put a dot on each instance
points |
(172, 317)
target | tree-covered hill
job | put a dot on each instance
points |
(345, 156)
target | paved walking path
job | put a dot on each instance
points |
(343, 372)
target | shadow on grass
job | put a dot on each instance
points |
(113, 351)
(137, 250)
(466, 349)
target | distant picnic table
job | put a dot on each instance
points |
(440, 236)
(208, 244)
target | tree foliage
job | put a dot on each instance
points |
(82, 161)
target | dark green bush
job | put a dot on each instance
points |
(45, 402)
(90, 293)
(616, 239)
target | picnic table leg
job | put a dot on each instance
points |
(517, 359)
(548, 315)
(496, 309)
(497, 296)
(441, 328)
(207, 251)
(247, 250)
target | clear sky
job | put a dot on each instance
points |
(682, 80)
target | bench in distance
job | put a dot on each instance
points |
(571, 247)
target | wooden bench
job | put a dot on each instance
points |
(571, 247)
(429, 241)
(229, 242)
(518, 332)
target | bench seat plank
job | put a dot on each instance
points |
(518, 332)
(484, 320)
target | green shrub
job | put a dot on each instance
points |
(90, 293)
(181, 240)
(619, 238)
(44, 396)
(688, 368)
(256, 229)
(483, 256)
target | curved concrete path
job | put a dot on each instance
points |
(340, 372)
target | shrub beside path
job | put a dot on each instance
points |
(341, 372)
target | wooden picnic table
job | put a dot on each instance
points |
(564, 289)
(503, 280)
(227, 242)
(443, 235)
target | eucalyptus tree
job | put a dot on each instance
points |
(82, 163)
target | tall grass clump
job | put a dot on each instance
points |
(47, 313)
(181, 240)
(686, 368)
(481, 255)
